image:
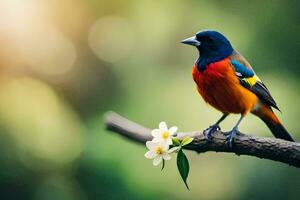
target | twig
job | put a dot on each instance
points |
(267, 148)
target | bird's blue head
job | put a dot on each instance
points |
(212, 46)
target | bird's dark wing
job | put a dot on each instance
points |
(250, 80)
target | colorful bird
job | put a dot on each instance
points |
(226, 81)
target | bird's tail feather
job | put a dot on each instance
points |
(278, 130)
(271, 120)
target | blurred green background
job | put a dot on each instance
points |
(65, 63)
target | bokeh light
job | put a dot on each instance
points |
(39, 121)
(37, 41)
(48, 52)
(111, 38)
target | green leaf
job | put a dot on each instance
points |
(175, 141)
(163, 164)
(186, 141)
(173, 149)
(183, 166)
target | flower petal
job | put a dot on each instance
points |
(173, 130)
(169, 141)
(157, 141)
(150, 154)
(166, 156)
(164, 146)
(151, 145)
(163, 126)
(157, 160)
(156, 132)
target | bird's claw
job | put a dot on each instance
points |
(230, 136)
(210, 131)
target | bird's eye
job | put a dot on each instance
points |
(210, 39)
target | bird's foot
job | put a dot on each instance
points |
(208, 133)
(230, 136)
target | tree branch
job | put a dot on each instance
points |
(267, 148)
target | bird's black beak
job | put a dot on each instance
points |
(191, 41)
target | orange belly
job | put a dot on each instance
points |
(220, 87)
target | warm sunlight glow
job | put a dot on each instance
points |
(111, 38)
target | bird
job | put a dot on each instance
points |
(227, 81)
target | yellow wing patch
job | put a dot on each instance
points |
(251, 80)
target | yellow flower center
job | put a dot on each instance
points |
(166, 135)
(159, 150)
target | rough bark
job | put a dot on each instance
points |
(267, 148)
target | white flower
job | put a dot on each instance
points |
(157, 152)
(163, 134)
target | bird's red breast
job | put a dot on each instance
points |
(220, 87)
